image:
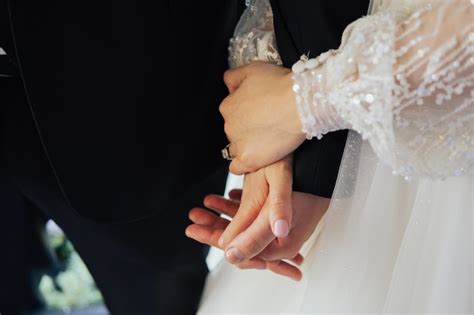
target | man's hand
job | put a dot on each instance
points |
(261, 119)
(270, 187)
(208, 228)
(307, 212)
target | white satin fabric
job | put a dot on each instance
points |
(385, 245)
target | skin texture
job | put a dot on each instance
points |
(269, 187)
(207, 228)
(261, 118)
(270, 222)
(258, 247)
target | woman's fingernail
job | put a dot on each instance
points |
(233, 255)
(281, 228)
(220, 242)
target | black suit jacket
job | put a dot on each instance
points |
(125, 95)
(313, 27)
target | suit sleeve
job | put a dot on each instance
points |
(316, 162)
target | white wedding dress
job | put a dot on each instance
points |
(397, 237)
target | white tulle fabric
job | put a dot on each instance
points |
(393, 246)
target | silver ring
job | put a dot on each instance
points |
(226, 153)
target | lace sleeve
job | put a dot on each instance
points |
(407, 87)
(254, 36)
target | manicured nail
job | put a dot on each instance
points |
(233, 255)
(281, 228)
(220, 242)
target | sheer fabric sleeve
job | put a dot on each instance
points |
(406, 86)
(254, 36)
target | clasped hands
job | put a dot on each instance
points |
(270, 222)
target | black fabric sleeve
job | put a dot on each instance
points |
(313, 27)
(316, 164)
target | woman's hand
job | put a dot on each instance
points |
(208, 227)
(261, 118)
(269, 187)
(307, 212)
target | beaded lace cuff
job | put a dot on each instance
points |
(317, 114)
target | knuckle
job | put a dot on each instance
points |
(246, 159)
(227, 76)
(236, 168)
(280, 201)
(253, 247)
(267, 256)
(278, 253)
(244, 156)
(223, 107)
(232, 168)
(227, 128)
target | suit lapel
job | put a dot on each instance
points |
(7, 55)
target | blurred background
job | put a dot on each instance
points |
(72, 287)
(40, 271)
